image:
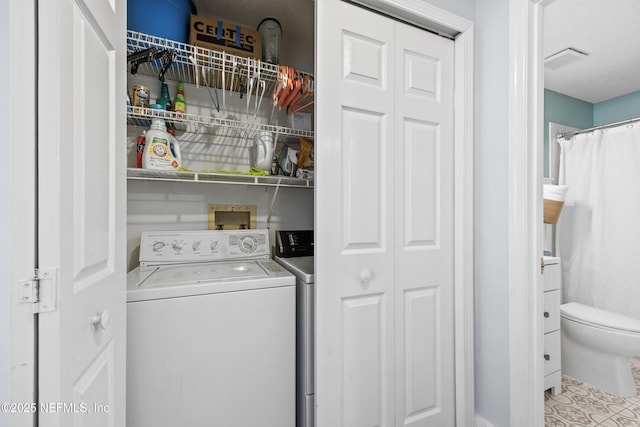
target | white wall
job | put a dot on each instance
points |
(492, 211)
(463, 8)
(158, 206)
(5, 224)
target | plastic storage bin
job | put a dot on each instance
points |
(169, 19)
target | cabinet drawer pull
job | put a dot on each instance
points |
(547, 357)
(546, 314)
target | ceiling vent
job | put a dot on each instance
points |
(562, 58)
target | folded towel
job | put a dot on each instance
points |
(554, 192)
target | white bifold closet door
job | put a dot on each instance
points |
(384, 217)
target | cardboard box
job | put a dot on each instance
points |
(214, 33)
(300, 121)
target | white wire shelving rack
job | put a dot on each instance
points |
(217, 178)
(182, 68)
(202, 124)
(216, 64)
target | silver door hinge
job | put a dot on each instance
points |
(41, 290)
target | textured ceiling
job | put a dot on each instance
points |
(608, 31)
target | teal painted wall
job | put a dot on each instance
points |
(564, 110)
(617, 109)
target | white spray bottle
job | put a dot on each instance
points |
(161, 149)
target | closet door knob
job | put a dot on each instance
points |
(102, 320)
(366, 276)
(547, 357)
(546, 314)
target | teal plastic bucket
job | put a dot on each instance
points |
(169, 19)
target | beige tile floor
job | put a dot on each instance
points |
(580, 404)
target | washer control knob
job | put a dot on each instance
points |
(178, 245)
(248, 244)
(101, 320)
(158, 246)
(196, 245)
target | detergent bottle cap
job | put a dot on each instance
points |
(158, 124)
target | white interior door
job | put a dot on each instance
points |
(81, 209)
(384, 215)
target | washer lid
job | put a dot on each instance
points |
(174, 281)
(172, 275)
(597, 317)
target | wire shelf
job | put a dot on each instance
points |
(217, 178)
(216, 64)
(203, 67)
(138, 116)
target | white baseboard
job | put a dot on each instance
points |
(481, 422)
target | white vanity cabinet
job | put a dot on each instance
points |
(552, 293)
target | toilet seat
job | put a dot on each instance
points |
(599, 318)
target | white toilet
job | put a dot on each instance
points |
(597, 347)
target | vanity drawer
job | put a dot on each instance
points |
(552, 277)
(551, 311)
(551, 352)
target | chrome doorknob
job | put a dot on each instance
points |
(101, 320)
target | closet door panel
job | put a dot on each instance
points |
(421, 75)
(424, 185)
(354, 212)
(364, 59)
(366, 364)
(420, 355)
(364, 149)
(419, 171)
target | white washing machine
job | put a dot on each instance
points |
(294, 251)
(210, 332)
